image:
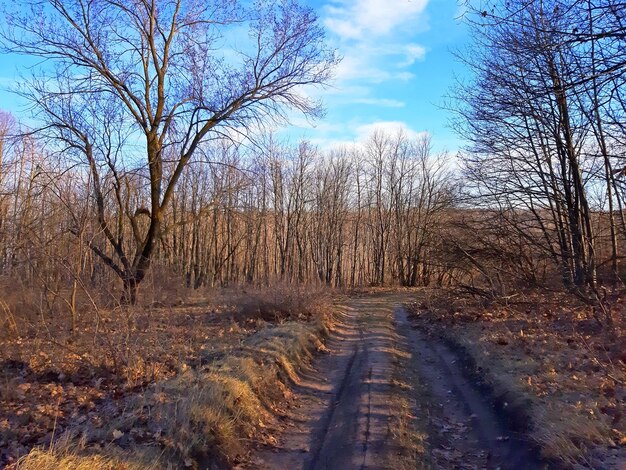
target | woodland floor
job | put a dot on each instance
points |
(51, 383)
(407, 379)
(98, 386)
(550, 370)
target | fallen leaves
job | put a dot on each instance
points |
(48, 385)
(548, 348)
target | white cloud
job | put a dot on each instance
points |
(387, 103)
(413, 53)
(357, 65)
(356, 19)
(379, 44)
(389, 127)
(341, 134)
(375, 38)
(356, 135)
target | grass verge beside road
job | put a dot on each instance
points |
(233, 366)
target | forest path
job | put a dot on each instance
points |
(346, 407)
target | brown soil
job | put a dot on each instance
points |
(467, 428)
(344, 416)
(342, 409)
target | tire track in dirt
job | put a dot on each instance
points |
(357, 426)
(466, 431)
(343, 413)
(368, 418)
(335, 424)
(343, 407)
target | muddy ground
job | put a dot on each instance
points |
(387, 396)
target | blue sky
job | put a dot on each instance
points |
(397, 68)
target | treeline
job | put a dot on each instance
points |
(371, 214)
(106, 188)
(362, 216)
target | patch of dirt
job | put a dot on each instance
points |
(344, 411)
(343, 406)
(467, 431)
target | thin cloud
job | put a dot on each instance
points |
(386, 103)
(413, 53)
(375, 39)
(358, 19)
(357, 66)
(389, 127)
(380, 45)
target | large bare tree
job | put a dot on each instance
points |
(132, 89)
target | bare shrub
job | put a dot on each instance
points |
(280, 303)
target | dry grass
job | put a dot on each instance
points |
(193, 382)
(215, 410)
(42, 460)
(550, 362)
(406, 430)
(407, 427)
(69, 453)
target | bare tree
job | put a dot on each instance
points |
(140, 85)
(540, 116)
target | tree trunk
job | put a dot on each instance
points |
(131, 287)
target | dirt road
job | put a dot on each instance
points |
(387, 397)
